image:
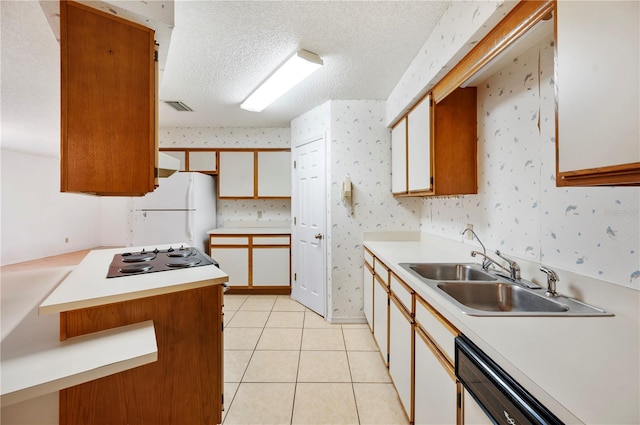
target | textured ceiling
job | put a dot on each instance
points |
(219, 52)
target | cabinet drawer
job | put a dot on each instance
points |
(271, 240)
(437, 327)
(402, 292)
(368, 258)
(382, 271)
(237, 240)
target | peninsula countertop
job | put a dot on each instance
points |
(88, 286)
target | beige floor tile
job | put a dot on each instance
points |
(355, 326)
(235, 364)
(262, 403)
(241, 338)
(233, 302)
(323, 366)
(272, 366)
(329, 403)
(379, 404)
(286, 319)
(249, 319)
(359, 339)
(228, 315)
(229, 393)
(313, 320)
(280, 339)
(286, 303)
(367, 366)
(259, 303)
(323, 339)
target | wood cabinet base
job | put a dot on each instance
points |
(183, 387)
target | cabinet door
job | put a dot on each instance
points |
(234, 262)
(206, 161)
(399, 158)
(180, 156)
(419, 146)
(235, 178)
(271, 266)
(381, 317)
(435, 384)
(367, 293)
(401, 351)
(108, 103)
(598, 45)
(274, 174)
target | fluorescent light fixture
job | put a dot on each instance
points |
(295, 69)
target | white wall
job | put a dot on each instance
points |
(591, 231)
(36, 217)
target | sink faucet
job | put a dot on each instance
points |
(514, 268)
(552, 278)
(486, 262)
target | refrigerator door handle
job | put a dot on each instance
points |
(190, 213)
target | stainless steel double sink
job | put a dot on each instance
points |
(478, 292)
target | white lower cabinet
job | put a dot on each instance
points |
(381, 317)
(367, 291)
(401, 351)
(435, 384)
(234, 262)
(271, 266)
(254, 261)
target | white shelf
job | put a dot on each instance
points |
(77, 360)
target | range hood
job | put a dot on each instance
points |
(167, 165)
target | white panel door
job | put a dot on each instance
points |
(235, 176)
(367, 295)
(308, 206)
(274, 174)
(419, 146)
(381, 318)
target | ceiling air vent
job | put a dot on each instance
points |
(177, 105)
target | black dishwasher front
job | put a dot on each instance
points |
(500, 396)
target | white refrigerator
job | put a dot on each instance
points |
(181, 210)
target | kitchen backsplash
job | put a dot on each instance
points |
(231, 137)
(519, 210)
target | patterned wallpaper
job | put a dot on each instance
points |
(460, 28)
(519, 210)
(359, 147)
(228, 137)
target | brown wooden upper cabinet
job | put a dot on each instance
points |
(598, 51)
(433, 147)
(108, 128)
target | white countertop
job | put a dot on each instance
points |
(251, 231)
(88, 286)
(582, 368)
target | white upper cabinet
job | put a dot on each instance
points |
(597, 77)
(264, 173)
(274, 174)
(235, 178)
(419, 146)
(399, 157)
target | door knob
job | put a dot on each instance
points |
(318, 235)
